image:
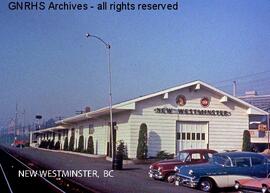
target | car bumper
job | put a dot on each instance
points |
(245, 189)
(186, 181)
(155, 174)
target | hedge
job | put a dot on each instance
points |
(142, 142)
(71, 143)
(90, 145)
(66, 144)
(80, 146)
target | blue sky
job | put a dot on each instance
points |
(48, 66)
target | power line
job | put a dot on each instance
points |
(241, 77)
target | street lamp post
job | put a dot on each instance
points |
(108, 47)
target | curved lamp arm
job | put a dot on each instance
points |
(108, 46)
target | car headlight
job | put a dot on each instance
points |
(236, 185)
(264, 189)
(159, 169)
(175, 168)
(150, 167)
(190, 172)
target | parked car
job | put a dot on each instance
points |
(19, 143)
(222, 170)
(164, 170)
(253, 185)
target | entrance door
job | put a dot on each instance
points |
(191, 135)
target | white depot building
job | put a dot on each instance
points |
(193, 115)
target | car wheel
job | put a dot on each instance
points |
(170, 178)
(206, 185)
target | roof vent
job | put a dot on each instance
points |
(251, 93)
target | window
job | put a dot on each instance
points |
(91, 129)
(183, 136)
(203, 136)
(241, 162)
(207, 156)
(195, 156)
(193, 136)
(221, 160)
(188, 136)
(182, 156)
(177, 136)
(257, 161)
(81, 130)
(198, 136)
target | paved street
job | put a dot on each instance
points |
(132, 179)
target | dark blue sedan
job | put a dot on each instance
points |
(222, 170)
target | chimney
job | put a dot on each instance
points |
(87, 109)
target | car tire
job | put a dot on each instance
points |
(170, 178)
(206, 185)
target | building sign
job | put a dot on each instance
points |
(192, 112)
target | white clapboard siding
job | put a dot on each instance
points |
(225, 133)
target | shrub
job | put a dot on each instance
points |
(66, 144)
(41, 145)
(51, 144)
(57, 145)
(71, 143)
(121, 149)
(164, 155)
(90, 145)
(246, 141)
(80, 146)
(142, 142)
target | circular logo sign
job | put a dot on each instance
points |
(180, 100)
(205, 102)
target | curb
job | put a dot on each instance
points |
(70, 152)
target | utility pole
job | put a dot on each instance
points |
(23, 129)
(16, 122)
(234, 88)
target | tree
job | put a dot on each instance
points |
(90, 145)
(142, 142)
(71, 143)
(80, 146)
(246, 141)
(66, 144)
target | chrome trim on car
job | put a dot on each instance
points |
(155, 174)
(187, 181)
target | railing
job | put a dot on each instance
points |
(257, 136)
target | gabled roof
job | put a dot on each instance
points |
(130, 104)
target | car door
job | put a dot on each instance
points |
(241, 168)
(260, 167)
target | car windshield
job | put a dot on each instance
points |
(182, 156)
(220, 160)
